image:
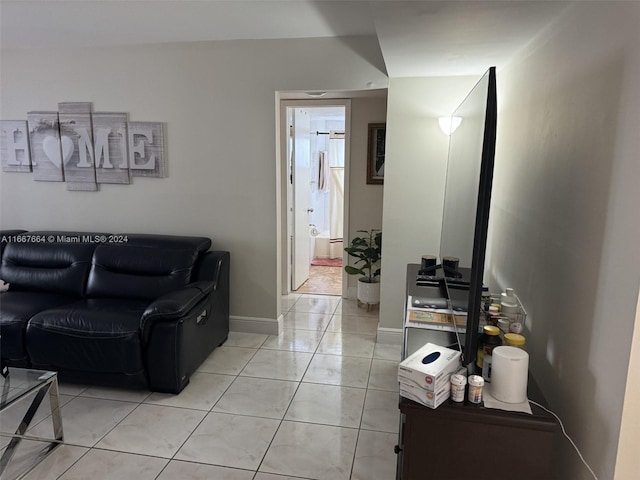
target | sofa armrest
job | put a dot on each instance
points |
(214, 266)
(175, 305)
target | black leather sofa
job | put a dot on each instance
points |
(129, 310)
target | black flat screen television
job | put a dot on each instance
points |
(466, 205)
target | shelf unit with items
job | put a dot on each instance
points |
(429, 315)
(459, 440)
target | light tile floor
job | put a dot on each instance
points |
(319, 401)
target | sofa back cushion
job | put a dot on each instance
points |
(7, 236)
(48, 267)
(141, 268)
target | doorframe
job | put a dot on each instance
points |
(282, 135)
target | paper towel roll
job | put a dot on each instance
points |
(509, 370)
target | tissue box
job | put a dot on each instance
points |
(429, 368)
(431, 399)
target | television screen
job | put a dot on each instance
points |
(466, 204)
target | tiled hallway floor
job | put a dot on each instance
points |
(320, 401)
(323, 281)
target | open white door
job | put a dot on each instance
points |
(301, 176)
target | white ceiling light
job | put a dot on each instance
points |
(449, 124)
(316, 94)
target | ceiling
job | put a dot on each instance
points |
(417, 38)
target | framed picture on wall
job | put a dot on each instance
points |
(375, 153)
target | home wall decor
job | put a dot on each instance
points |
(14, 146)
(46, 149)
(81, 147)
(146, 152)
(110, 146)
(74, 121)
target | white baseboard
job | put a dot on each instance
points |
(267, 326)
(391, 336)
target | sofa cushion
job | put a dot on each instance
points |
(16, 309)
(138, 272)
(172, 242)
(96, 335)
(47, 267)
(6, 237)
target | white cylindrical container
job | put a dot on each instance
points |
(504, 324)
(509, 374)
(509, 308)
(476, 382)
(515, 327)
(458, 383)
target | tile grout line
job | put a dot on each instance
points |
(292, 398)
(236, 376)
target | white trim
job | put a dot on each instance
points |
(269, 326)
(391, 336)
(284, 253)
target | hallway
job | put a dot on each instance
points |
(323, 281)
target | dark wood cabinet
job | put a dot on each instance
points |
(467, 441)
(463, 442)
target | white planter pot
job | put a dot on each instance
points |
(369, 293)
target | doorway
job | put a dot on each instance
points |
(316, 165)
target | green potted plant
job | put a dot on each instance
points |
(367, 249)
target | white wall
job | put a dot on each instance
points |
(415, 168)
(365, 201)
(218, 102)
(564, 229)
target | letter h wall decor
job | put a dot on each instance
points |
(81, 147)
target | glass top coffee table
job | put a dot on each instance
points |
(24, 385)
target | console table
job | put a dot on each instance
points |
(466, 441)
(21, 386)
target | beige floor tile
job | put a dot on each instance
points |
(287, 301)
(338, 370)
(316, 304)
(384, 351)
(306, 321)
(271, 476)
(348, 344)
(124, 394)
(247, 340)
(278, 365)
(203, 391)
(11, 417)
(350, 307)
(257, 397)
(294, 340)
(106, 465)
(327, 405)
(384, 375)
(86, 420)
(381, 411)
(227, 360)
(306, 450)
(375, 458)
(56, 463)
(153, 430)
(362, 324)
(229, 440)
(177, 470)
